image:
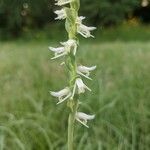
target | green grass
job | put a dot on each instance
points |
(124, 32)
(30, 119)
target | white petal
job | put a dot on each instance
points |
(55, 94)
(61, 14)
(65, 98)
(82, 123)
(82, 17)
(84, 30)
(70, 42)
(70, 45)
(62, 2)
(87, 88)
(61, 93)
(80, 73)
(91, 28)
(83, 34)
(57, 56)
(91, 68)
(81, 86)
(67, 47)
(79, 19)
(85, 69)
(84, 116)
(57, 50)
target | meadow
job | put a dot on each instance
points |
(120, 97)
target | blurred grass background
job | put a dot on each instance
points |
(29, 117)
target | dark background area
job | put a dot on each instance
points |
(20, 16)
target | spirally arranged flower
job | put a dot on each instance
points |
(61, 14)
(62, 2)
(85, 31)
(80, 86)
(62, 95)
(70, 45)
(83, 118)
(85, 71)
(64, 49)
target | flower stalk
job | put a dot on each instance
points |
(68, 49)
(73, 103)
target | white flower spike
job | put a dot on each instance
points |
(62, 2)
(62, 95)
(82, 29)
(65, 49)
(85, 71)
(61, 14)
(69, 49)
(83, 118)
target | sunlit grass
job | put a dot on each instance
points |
(30, 119)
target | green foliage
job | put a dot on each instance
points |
(120, 96)
(20, 15)
(109, 12)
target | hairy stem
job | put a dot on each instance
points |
(71, 121)
(73, 103)
(70, 131)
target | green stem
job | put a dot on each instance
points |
(73, 103)
(70, 131)
(71, 121)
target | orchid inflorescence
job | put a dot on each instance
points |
(74, 25)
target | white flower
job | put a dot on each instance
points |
(85, 31)
(70, 45)
(79, 19)
(83, 118)
(62, 2)
(59, 51)
(61, 14)
(81, 87)
(82, 29)
(64, 49)
(62, 95)
(85, 71)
